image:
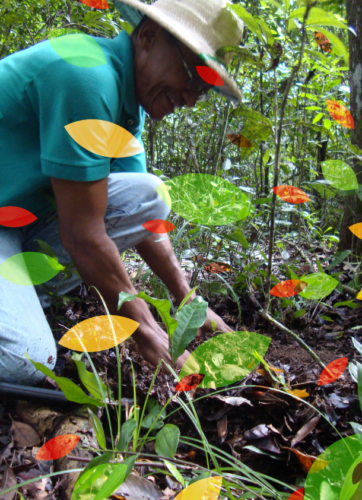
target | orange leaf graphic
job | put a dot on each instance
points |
(333, 371)
(97, 4)
(323, 41)
(217, 267)
(297, 495)
(98, 333)
(209, 75)
(15, 217)
(288, 288)
(189, 382)
(291, 194)
(158, 226)
(340, 114)
(58, 447)
(240, 141)
(356, 230)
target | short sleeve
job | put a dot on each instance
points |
(62, 94)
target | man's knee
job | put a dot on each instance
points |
(147, 186)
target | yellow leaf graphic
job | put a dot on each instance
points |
(104, 138)
(356, 229)
(99, 333)
(359, 296)
(205, 489)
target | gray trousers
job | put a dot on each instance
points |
(132, 201)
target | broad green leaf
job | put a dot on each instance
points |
(286, 5)
(185, 299)
(319, 286)
(239, 237)
(174, 472)
(248, 20)
(46, 249)
(267, 32)
(79, 50)
(339, 174)
(191, 196)
(163, 307)
(70, 390)
(226, 358)
(150, 419)
(266, 156)
(98, 429)
(256, 126)
(105, 458)
(127, 431)
(190, 318)
(30, 268)
(348, 303)
(100, 482)
(318, 117)
(245, 55)
(317, 17)
(89, 380)
(340, 258)
(338, 44)
(349, 490)
(167, 440)
(300, 313)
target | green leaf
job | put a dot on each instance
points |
(126, 26)
(339, 174)
(167, 440)
(154, 409)
(317, 128)
(99, 482)
(245, 55)
(357, 345)
(187, 297)
(239, 237)
(190, 318)
(266, 157)
(127, 430)
(319, 286)
(175, 472)
(318, 117)
(70, 390)
(267, 32)
(348, 303)
(248, 20)
(338, 44)
(256, 125)
(89, 380)
(319, 265)
(300, 313)
(105, 458)
(98, 430)
(260, 452)
(46, 249)
(317, 17)
(360, 384)
(340, 258)
(163, 307)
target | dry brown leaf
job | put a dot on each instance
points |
(8, 481)
(305, 430)
(24, 435)
(299, 393)
(306, 461)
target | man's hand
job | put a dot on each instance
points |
(207, 327)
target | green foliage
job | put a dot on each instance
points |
(167, 440)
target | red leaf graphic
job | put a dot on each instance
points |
(297, 495)
(210, 76)
(291, 194)
(158, 226)
(340, 114)
(97, 4)
(333, 371)
(15, 217)
(57, 447)
(189, 382)
(288, 288)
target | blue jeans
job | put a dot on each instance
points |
(132, 201)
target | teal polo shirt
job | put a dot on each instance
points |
(41, 93)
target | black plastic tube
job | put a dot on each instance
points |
(39, 395)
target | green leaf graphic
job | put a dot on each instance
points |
(100, 482)
(319, 286)
(339, 174)
(79, 50)
(30, 268)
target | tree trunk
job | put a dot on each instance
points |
(353, 208)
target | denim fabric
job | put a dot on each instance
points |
(132, 201)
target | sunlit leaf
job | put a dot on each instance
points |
(288, 288)
(297, 495)
(319, 286)
(58, 447)
(339, 174)
(340, 114)
(98, 333)
(15, 217)
(356, 230)
(30, 268)
(96, 4)
(204, 489)
(323, 41)
(99, 482)
(359, 295)
(158, 226)
(104, 138)
(206, 199)
(299, 393)
(291, 194)
(209, 75)
(189, 382)
(352, 486)
(79, 49)
(226, 358)
(333, 371)
(240, 141)
(167, 440)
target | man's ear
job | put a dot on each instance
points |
(148, 34)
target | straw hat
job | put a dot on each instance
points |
(204, 26)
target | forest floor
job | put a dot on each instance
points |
(287, 434)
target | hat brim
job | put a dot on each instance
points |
(189, 37)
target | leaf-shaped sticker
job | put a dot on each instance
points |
(204, 489)
(210, 76)
(240, 141)
(100, 482)
(352, 485)
(319, 286)
(58, 447)
(206, 199)
(291, 194)
(339, 174)
(288, 288)
(189, 382)
(323, 41)
(99, 333)
(340, 114)
(30, 268)
(333, 371)
(96, 4)
(15, 217)
(104, 138)
(356, 230)
(79, 49)
(226, 358)
(158, 226)
(297, 495)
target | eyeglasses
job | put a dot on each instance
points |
(192, 84)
